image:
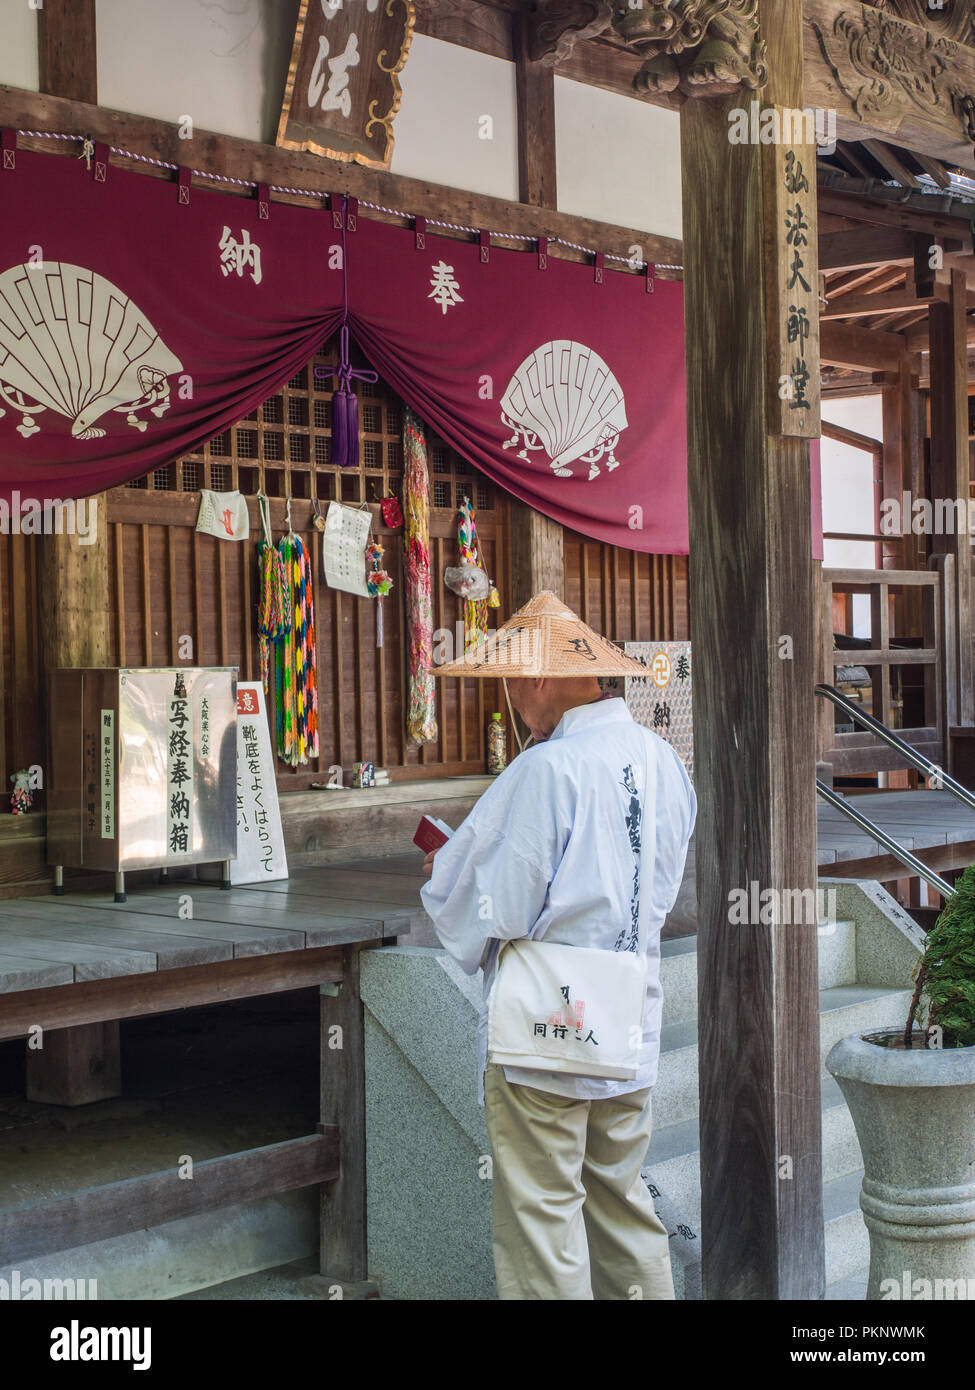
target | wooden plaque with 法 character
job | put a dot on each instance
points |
(343, 90)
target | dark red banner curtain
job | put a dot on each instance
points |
(140, 317)
(133, 327)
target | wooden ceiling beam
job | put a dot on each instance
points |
(866, 305)
(933, 168)
(890, 214)
(845, 345)
(870, 247)
(918, 339)
(849, 155)
(862, 63)
(487, 27)
(890, 160)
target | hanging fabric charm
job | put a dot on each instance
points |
(475, 606)
(378, 583)
(421, 717)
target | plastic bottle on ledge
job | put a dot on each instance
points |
(497, 746)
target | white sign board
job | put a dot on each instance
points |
(344, 548)
(260, 839)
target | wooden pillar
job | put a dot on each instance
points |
(67, 60)
(537, 554)
(76, 1065)
(536, 541)
(752, 585)
(950, 469)
(75, 602)
(343, 1248)
(535, 90)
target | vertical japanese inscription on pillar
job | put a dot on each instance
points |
(343, 90)
(792, 288)
(179, 789)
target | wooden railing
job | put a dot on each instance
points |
(908, 662)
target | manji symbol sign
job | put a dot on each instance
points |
(343, 91)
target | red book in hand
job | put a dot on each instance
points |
(431, 833)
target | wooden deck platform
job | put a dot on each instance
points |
(48, 942)
(932, 824)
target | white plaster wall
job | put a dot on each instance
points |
(223, 64)
(848, 498)
(18, 45)
(617, 159)
(459, 119)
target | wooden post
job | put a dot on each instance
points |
(67, 57)
(950, 470)
(75, 1066)
(75, 603)
(535, 89)
(753, 632)
(537, 554)
(536, 541)
(343, 1252)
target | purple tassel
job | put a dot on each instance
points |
(345, 428)
(345, 406)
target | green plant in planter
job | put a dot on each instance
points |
(946, 972)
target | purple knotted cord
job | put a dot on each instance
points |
(345, 405)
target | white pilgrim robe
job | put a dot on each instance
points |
(546, 853)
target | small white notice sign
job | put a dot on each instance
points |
(260, 839)
(108, 774)
(344, 547)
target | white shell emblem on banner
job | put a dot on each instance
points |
(563, 399)
(71, 342)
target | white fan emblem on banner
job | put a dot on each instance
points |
(71, 342)
(564, 400)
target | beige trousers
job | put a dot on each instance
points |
(571, 1216)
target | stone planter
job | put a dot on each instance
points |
(914, 1112)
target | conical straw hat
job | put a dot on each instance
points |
(545, 638)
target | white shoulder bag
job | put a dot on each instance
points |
(576, 1009)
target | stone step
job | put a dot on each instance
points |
(847, 1239)
(675, 1161)
(678, 968)
(843, 1009)
(852, 1289)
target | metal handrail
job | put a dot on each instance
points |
(905, 856)
(919, 761)
(943, 782)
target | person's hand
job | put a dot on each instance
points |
(428, 861)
